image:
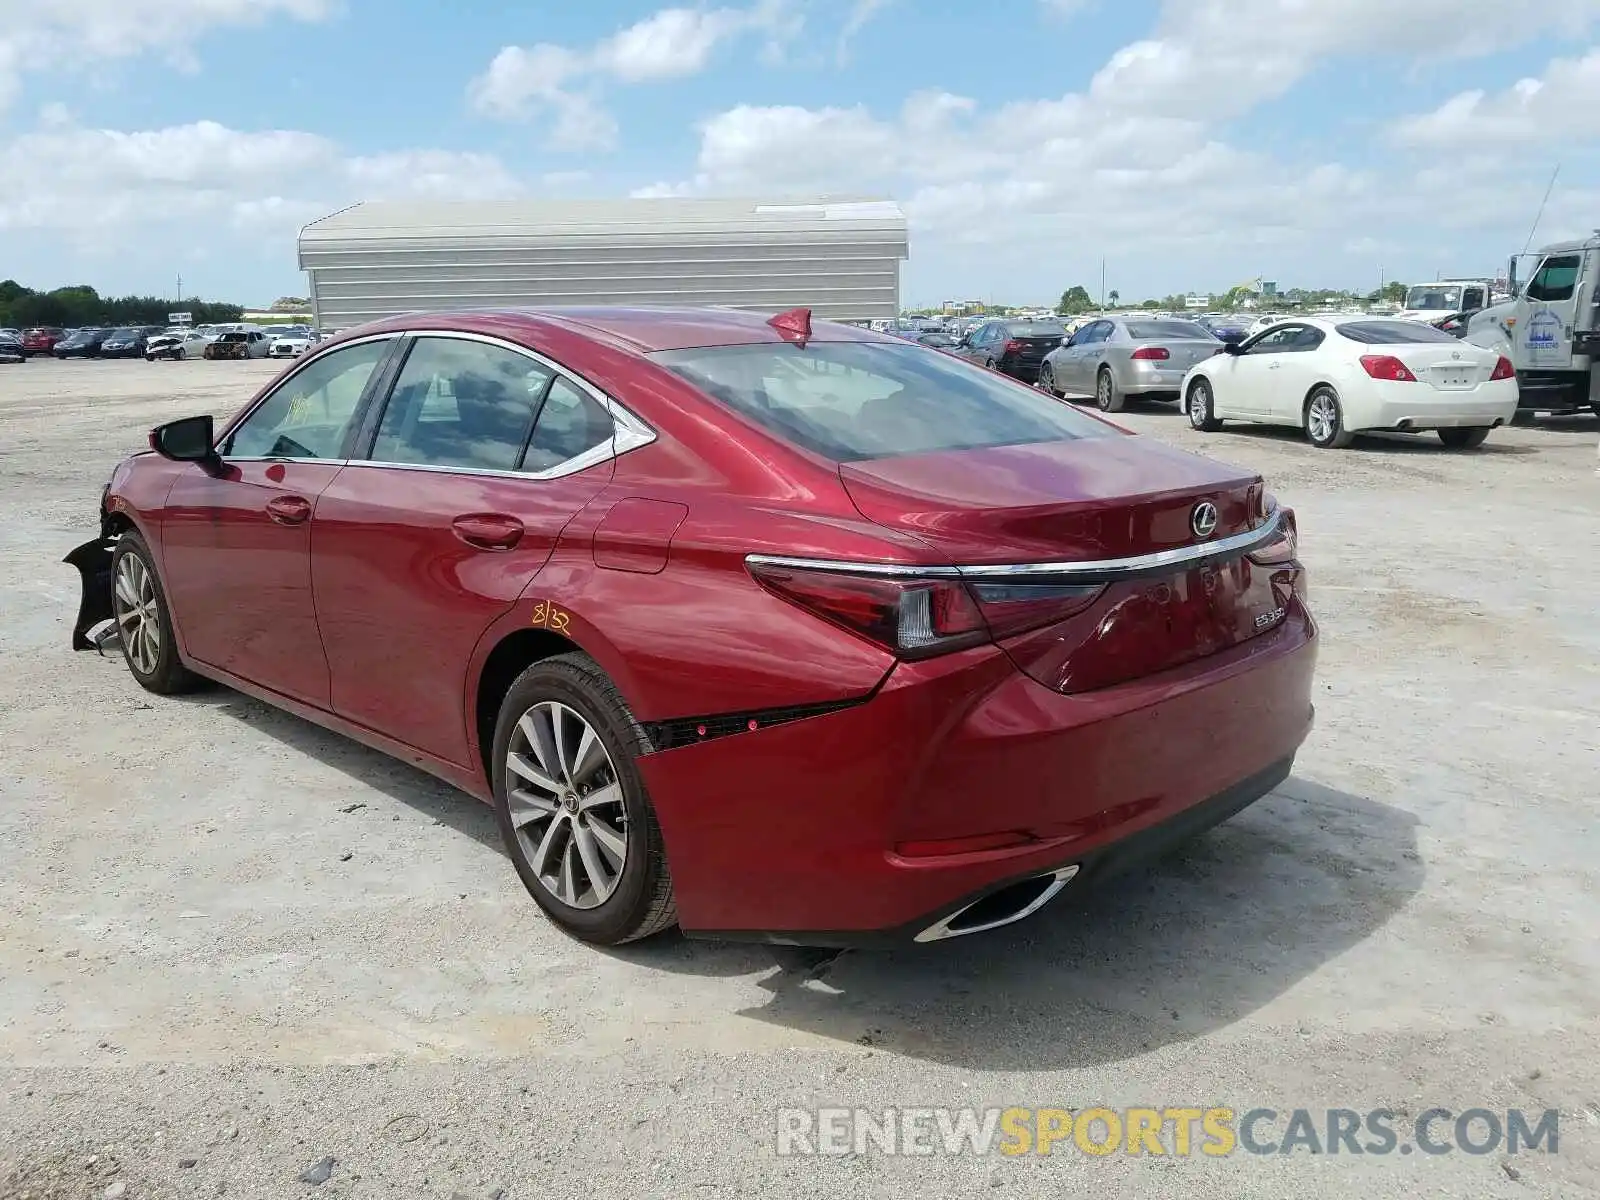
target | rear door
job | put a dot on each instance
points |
(480, 456)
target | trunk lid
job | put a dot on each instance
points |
(1088, 500)
(1182, 353)
(1448, 368)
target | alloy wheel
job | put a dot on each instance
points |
(1199, 405)
(1322, 418)
(138, 622)
(1102, 390)
(566, 805)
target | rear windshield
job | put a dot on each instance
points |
(849, 401)
(1022, 329)
(1141, 331)
(1394, 333)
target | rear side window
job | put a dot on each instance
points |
(1142, 331)
(570, 423)
(461, 403)
(1392, 333)
(849, 401)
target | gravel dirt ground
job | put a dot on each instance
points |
(233, 945)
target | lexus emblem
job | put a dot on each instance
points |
(1203, 520)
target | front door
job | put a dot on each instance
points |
(482, 455)
(236, 545)
(1243, 383)
(1544, 328)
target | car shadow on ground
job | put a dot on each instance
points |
(400, 781)
(1167, 953)
(1379, 443)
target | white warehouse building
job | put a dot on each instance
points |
(839, 256)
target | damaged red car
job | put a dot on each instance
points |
(764, 628)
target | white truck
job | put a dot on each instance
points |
(1444, 297)
(1550, 328)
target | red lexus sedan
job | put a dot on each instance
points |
(766, 629)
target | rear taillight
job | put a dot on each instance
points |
(1151, 353)
(921, 617)
(1503, 369)
(1281, 550)
(1387, 366)
(1013, 347)
(912, 618)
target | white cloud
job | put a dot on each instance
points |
(549, 81)
(163, 194)
(861, 12)
(40, 35)
(1535, 116)
(1214, 59)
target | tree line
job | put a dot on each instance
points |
(80, 305)
(1076, 299)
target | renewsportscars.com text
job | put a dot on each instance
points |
(1211, 1132)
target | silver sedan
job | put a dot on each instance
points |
(1114, 358)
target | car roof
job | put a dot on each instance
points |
(641, 330)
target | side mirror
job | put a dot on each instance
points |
(1231, 348)
(188, 439)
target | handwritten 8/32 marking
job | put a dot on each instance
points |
(548, 616)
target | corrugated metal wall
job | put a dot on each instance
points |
(840, 258)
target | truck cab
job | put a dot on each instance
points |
(1443, 298)
(1550, 328)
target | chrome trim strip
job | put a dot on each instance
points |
(844, 567)
(1096, 569)
(940, 929)
(630, 432)
(1138, 564)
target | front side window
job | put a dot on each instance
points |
(1556, 279)
(1275, 341)
(849, 401)
(460, 403)
(310, 413)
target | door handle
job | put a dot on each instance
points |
(487, 531)
(289, 510)
(1274, 366)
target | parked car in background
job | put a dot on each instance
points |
(1338, 377)
(81, 343)
(1226, 328)
(41, 339)
(176, 344)
(478, 555)
(11, 346)
(1015, 348)
(1455, 323)
(244, 343)
(1115, 358)
(127, 342)
(938, 340)
(290, 343)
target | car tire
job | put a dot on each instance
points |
(1322, 420)
(579, 844)
(1047, 379)
(1201, 407)
(1465, 437)
(144, 623)
(1106, 396)
(149, 358)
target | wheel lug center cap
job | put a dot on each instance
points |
(570, 802)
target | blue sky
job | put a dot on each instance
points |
(1192, 145)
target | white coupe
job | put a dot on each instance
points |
(1335, 377)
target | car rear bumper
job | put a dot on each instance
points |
(1143, 379)
(872, 822)
(1407, 406)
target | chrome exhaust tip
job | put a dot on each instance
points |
(1011, 903)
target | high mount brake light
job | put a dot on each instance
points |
(921, 617)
